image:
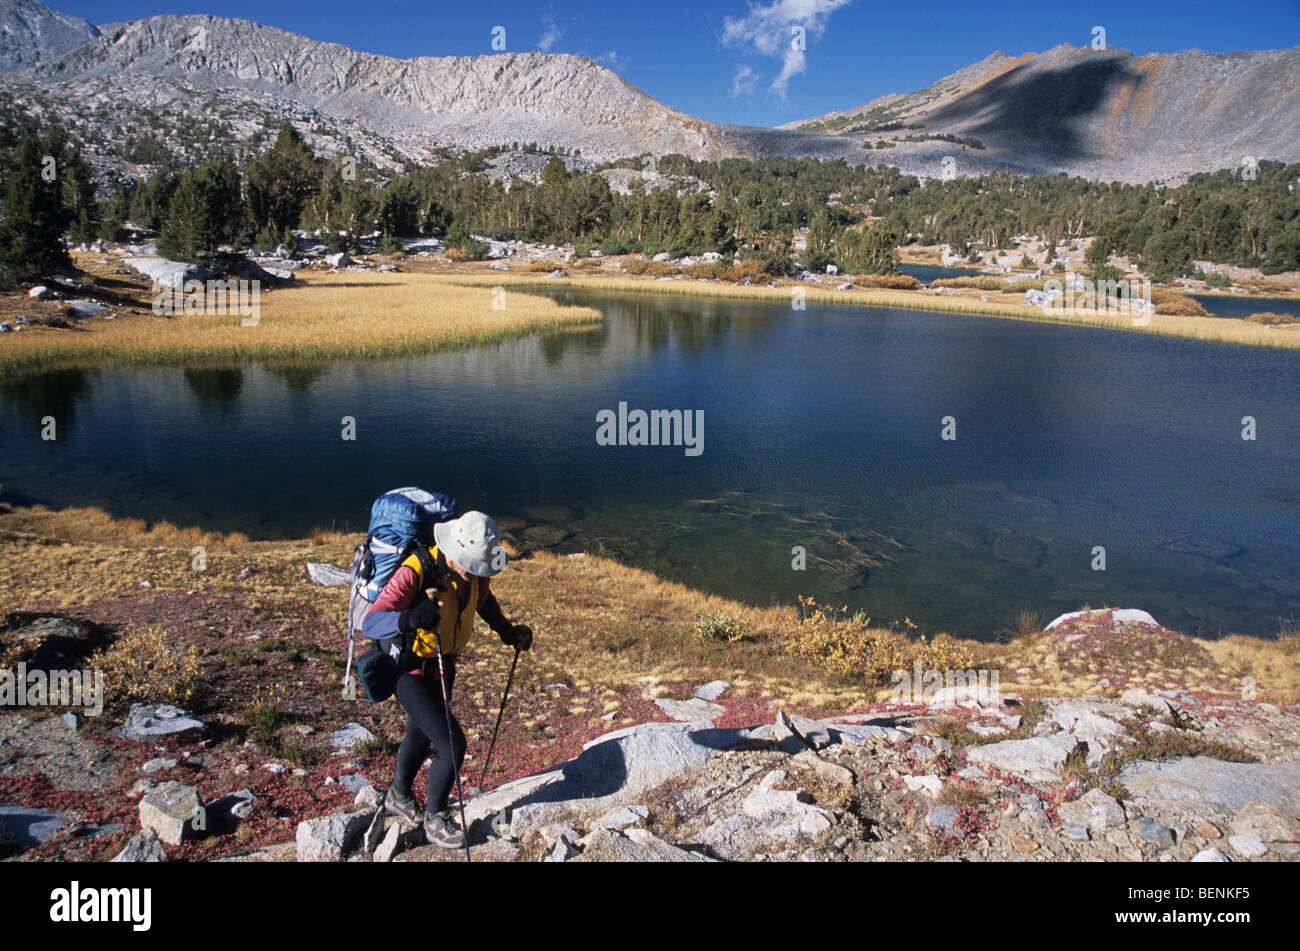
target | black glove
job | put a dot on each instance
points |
(518, 636)
(424, 616)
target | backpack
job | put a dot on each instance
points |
(401, 522)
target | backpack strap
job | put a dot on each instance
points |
(429, 571)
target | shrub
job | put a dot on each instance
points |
(848, 646)
(1173, 303)
(1271, 318)
(144, 665)
(752, 270)
(898, 282)
(650, 267)
(721, 627)
(982, 283)
(706, 269)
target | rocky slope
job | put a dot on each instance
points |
(691, 772)
(1102, 113)
(32, 34)
(198, 82)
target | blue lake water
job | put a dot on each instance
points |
(1238, 305)
(929, 273)
(822, 431)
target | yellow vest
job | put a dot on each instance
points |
(457, 623)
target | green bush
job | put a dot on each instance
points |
(721, 627)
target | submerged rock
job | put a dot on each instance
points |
(1018, 549)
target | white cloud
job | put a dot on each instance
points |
(744, 81)
(770, 30)
(609, 59)
(550, 34)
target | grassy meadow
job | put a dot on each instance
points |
(348, 315)
(602, 625)
(963, 301)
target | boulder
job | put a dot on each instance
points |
(327, 575)
(1142, 700)
(338, 260)
(694, 710)
(40, 292)
(376, 829)
(618, 819)
(50, 643)
(348, 737)
(1192, 543)
(331, 838)
(171, 274)
(931, 784)
(1210, 855)
(1098, 732)
(1198, 782)
(1018, 549)
(795, 733)
(966, 695)
(1037, 759)
(1158, 834)
(354, 782)
(388, 846)
(1248, 846)
(610, 770)
(636, 845)
(29, 827)
(173, 811)
(1266, 822)
(1094, 810)
(142, 847)
(941, 818)
(85, 308)
(250, 270)
(712, 690)
(829, 772)
(148, 722)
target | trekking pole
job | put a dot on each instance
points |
(451, 740)
(493, 745)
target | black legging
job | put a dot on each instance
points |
(426, 723)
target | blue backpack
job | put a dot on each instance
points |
(400, 522)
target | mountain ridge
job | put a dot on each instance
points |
(1103, 114)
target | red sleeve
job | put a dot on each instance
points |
(399, 592)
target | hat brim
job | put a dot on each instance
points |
(447, 544)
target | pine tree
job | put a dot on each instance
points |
(31, 235)
(280, 181)
(205, 212)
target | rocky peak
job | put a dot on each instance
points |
(32, 34)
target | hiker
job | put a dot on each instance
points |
(466, 554)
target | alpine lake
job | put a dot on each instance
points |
(948, 470)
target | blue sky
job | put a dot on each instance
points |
(732, 60)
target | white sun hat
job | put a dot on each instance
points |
(472, 541)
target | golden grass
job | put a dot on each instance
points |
(354, 315)
(598, 622)
(969, 302)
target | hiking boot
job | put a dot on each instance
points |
(403, 807)
(441, 830)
